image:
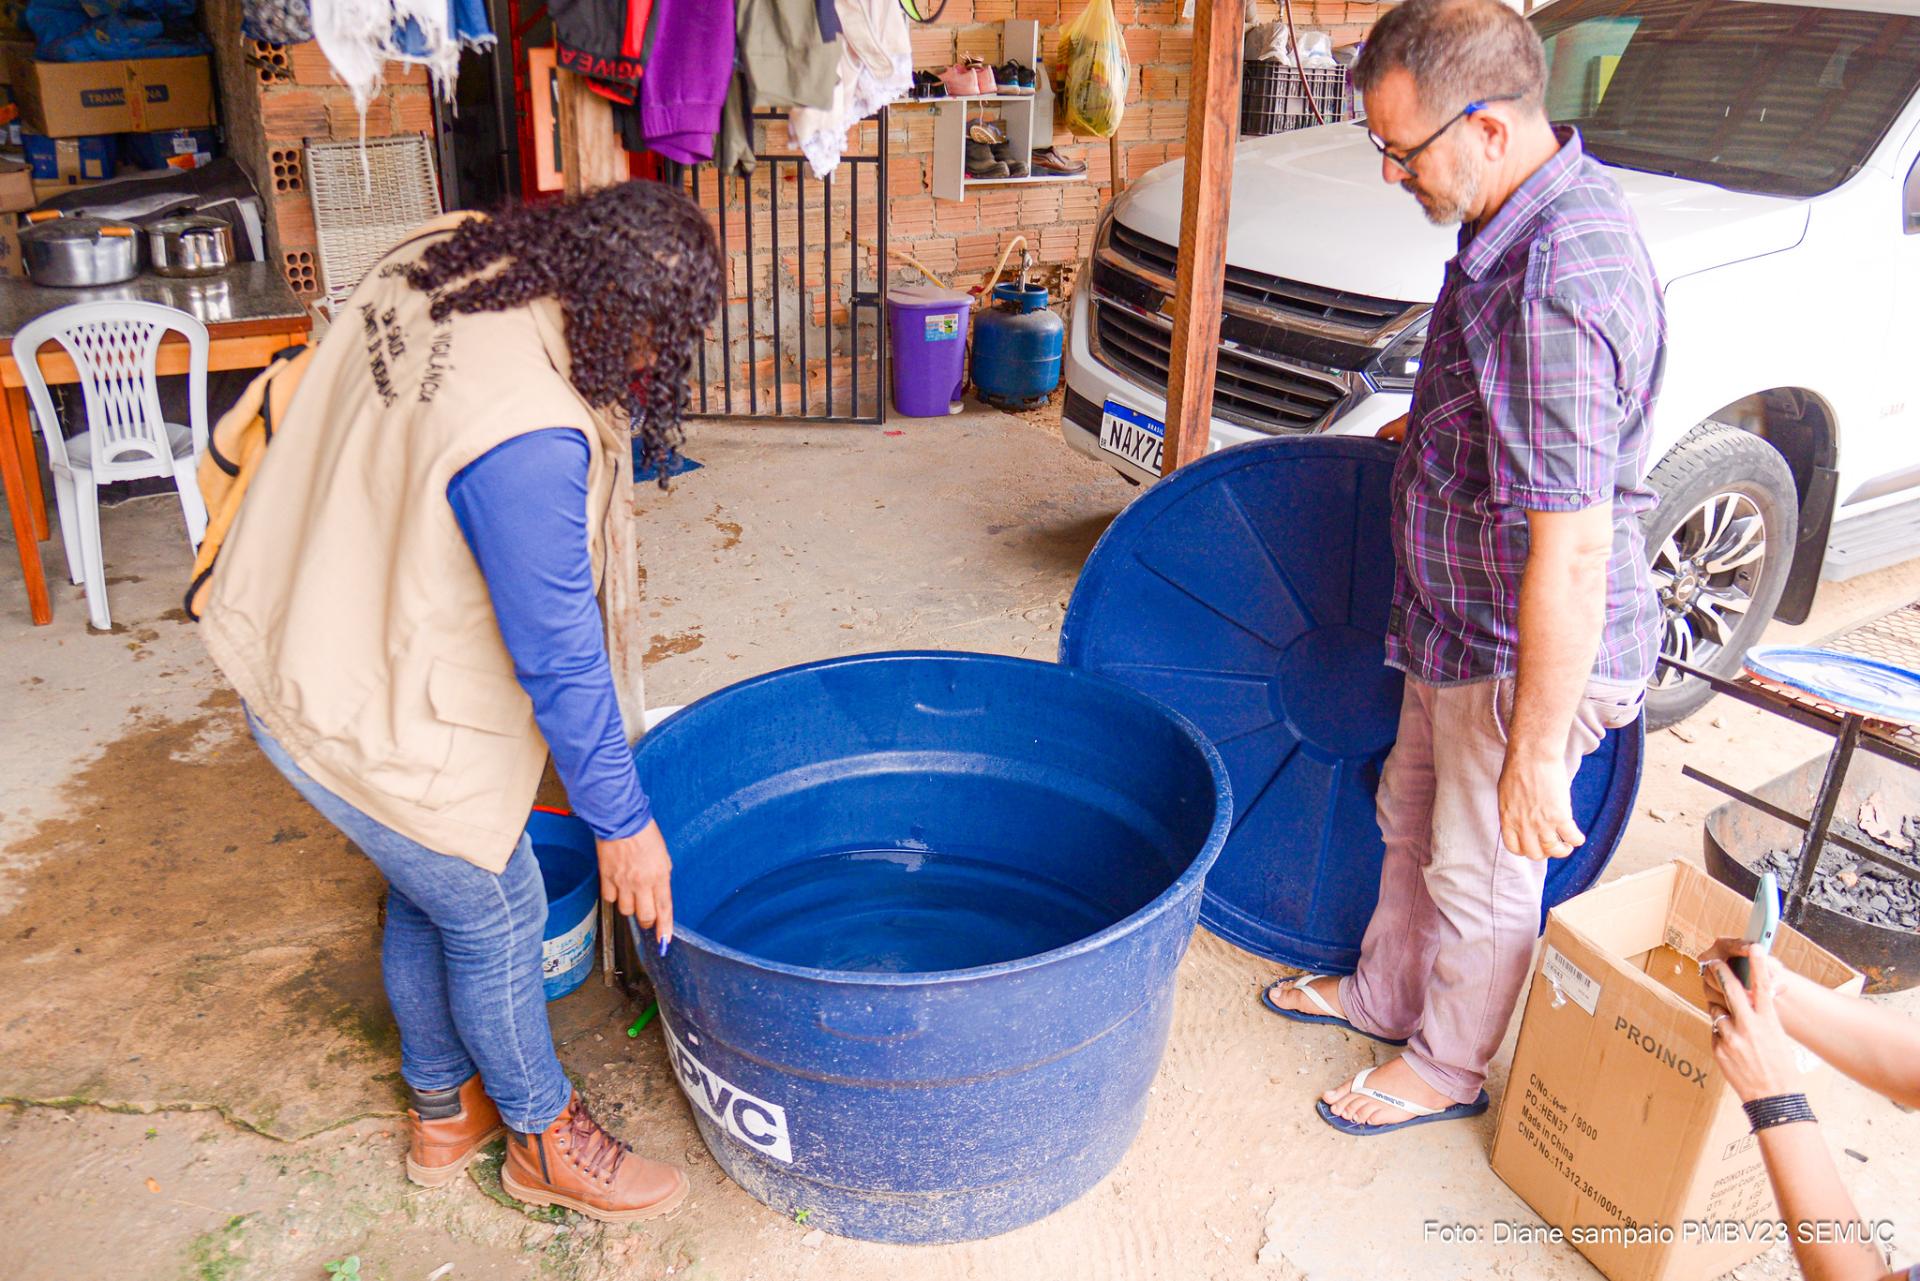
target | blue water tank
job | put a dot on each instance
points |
(929, 908)
(1016, 348)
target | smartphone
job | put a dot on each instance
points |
(1762, 924)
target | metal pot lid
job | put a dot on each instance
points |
(177, 223)
(1249, 591)
(74, 228)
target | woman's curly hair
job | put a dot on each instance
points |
(637, 274)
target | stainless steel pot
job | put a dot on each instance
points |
(189, 245)
(75, 253)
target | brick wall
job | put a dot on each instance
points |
(963, 239)
(274, 98)
(957, 241)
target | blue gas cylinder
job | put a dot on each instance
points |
(1016, 348)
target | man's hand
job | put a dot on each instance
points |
(1395, 431)
(634, 876)
(1536, 806)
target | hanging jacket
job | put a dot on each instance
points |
(787, 61)
(590, 39)
(686, 81)
(347, 608)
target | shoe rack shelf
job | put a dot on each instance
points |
(1028, 119)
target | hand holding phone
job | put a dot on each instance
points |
(1762, 924)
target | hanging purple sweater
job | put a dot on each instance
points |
(685, 82)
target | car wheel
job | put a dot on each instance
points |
(1721, 544)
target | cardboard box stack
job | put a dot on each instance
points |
(76, 114)
(16, 196)
(1616, 1128)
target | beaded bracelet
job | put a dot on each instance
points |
(1780, 1109)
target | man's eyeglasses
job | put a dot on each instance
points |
(1403, 160)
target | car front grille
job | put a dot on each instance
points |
(1253, 391)
(1360, 317)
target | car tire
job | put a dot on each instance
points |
(1720, 543)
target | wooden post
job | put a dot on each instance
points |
(1213, 108)
(591, 157)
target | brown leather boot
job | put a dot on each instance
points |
(448, 1129)
(577, 1164)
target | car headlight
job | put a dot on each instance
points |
(1395, 368)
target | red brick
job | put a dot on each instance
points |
(939, 256)
(294, 114)
(999, 208)
(1045, 12)
(1039, 206)
(1059, 244)
(1080, 202)
(992, 10)
(951, 216)
(1162, 82)
(412, 111)
(906, 176)
(910, 216)
(932, 46)
(980, 42)
(977, 252)
(1176, 47)
(1143, 45)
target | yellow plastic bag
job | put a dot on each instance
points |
(1095, 61)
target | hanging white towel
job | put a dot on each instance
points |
(876, 68)
(359, 37)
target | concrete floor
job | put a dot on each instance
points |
(198, 1062)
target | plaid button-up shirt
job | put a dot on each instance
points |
(1543, 356)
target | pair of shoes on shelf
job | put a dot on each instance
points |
(993, 159)
(1014, 77)
(1050, 162)
(969, 79)
(927, 86)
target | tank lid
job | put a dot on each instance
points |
(1249, 591)
(927, 296)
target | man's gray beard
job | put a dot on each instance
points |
(1454, 211)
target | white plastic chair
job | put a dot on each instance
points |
(115, 346)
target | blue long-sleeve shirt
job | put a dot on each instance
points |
(523, 508)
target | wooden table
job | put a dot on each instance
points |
(249, 313)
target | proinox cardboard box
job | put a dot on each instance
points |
(1616, 1126)
(67, 99)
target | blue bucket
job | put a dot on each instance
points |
(929, 908)
(570, 868)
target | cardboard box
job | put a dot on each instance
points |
(1616, 1126)
(45, 191)
(66, 99)
(16, 187)
(86, 159)
(10, 264)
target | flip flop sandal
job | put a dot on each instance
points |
(1421, 1116)
(1329, 1016)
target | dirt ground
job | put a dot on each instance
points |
(197, 1064)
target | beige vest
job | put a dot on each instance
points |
(346, 607)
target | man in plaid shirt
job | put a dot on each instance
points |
(1523, 614)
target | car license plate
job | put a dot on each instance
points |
(1130, 434)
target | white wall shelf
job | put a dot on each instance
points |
(1028, 119)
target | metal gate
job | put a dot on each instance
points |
(802, 330)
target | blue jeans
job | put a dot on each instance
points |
(461, 961)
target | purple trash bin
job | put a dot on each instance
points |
(929, 328)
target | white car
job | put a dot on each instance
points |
(1769, 152)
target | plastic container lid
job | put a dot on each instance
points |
(1848, 681)
(928, 297)
(1250, 592)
